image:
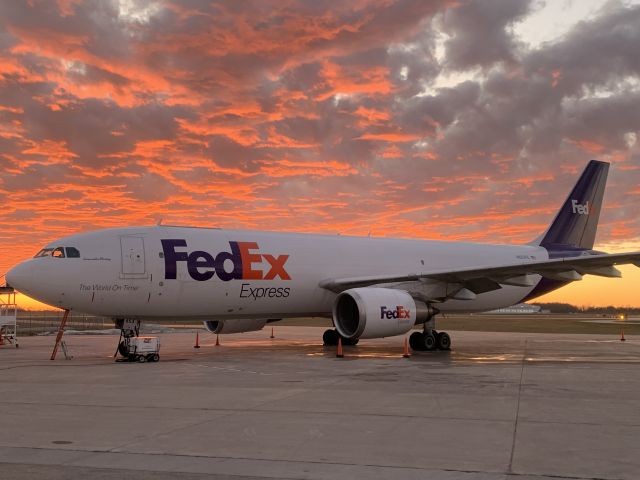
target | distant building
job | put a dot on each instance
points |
(517, 309)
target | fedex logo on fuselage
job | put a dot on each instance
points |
(579, 208)
(241, 263)
(398, 312)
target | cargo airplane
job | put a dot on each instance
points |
(238, 281)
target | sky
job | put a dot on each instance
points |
(454, 120)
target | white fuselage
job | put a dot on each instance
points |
(241, 274)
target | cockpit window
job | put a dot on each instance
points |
(59, 252)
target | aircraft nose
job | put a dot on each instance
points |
(20, 276)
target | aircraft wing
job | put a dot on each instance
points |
(482, 279)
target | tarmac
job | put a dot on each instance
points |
(498, 406)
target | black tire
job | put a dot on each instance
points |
(444, 341)
(123, 349)
(416, 341)
(142, 358)
(429, 342)
(350, 341)
(156, 357)
(330, 338)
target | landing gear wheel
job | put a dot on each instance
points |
(429, 342)
(443, 341)
(142, 359)
(330, 338)
(416, 341)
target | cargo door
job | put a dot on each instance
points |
(133, 263)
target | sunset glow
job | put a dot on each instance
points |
(440, 120)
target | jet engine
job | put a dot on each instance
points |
(235, 326)
(372, 312)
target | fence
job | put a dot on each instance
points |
(38, 323)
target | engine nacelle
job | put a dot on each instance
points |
(239, 325)
(372, 312)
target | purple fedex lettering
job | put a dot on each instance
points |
(198, 260)
(201, 265)
(236, 260)
(398, 312)
(171, 257)
(234, 265)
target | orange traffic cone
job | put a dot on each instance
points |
(622, 339)
(339, 354)
(217, 340)
(197, 345)
(405, 353)
(272, 333)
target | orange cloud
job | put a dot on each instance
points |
(287, 168)
(390, 137)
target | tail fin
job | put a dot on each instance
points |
(576, 223)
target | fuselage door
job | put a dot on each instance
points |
(133, 264)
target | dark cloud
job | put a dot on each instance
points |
(595, 54)
(95, 128)
(479, 32)
(228, 153)
(150, 187)
(604, 121)
(425, 114)
(91, 74)
(91, 128)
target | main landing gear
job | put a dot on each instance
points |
(330, 338)
(429, 339)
